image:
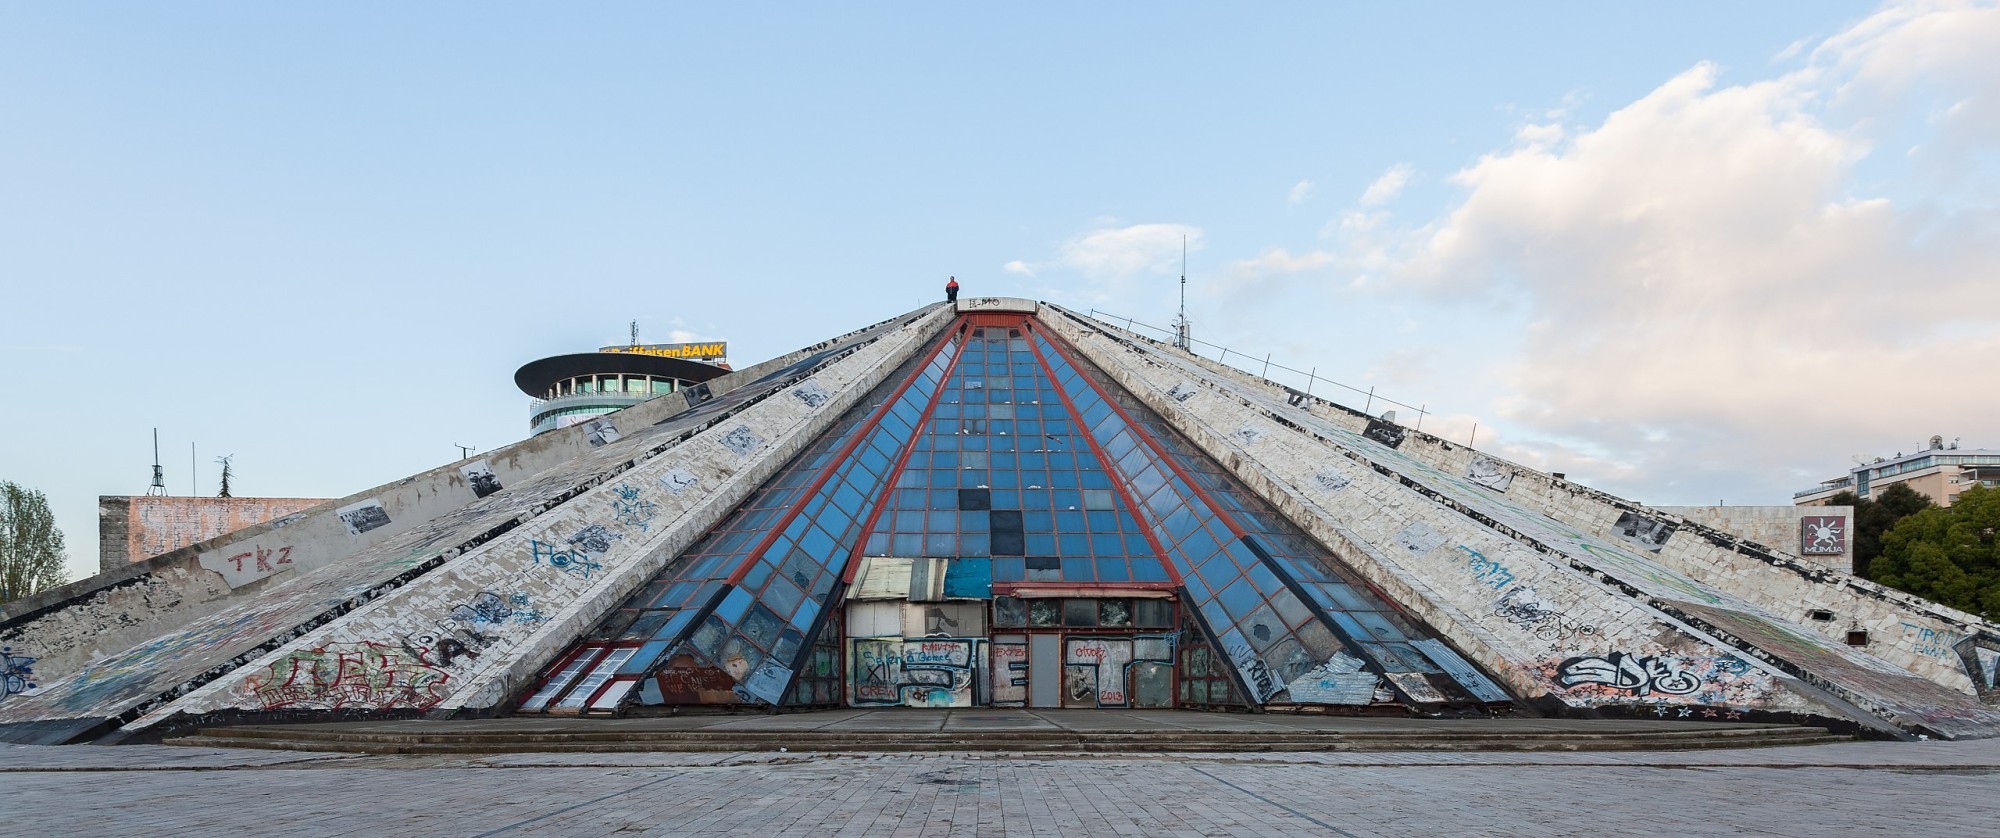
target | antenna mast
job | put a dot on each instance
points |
(159, 486)
(1182, 340)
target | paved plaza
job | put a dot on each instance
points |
(1902, 789)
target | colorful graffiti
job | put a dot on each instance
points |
(15, 672)
(348, 675)
(914, 672)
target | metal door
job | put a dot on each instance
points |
(1045, 670)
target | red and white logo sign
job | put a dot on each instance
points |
(1823, 535)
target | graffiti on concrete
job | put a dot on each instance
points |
(631, 510)
(1718, 681)
(1250, 434)
(1639, 676)
(1523, 607)
(581, 557)
(364, 675)
(138, 672)
(265, 559)
(447, 643)
(573, 562)
(1490, 573)
(1341, 680)
(1182, 391)
(1332, 480)
(486, 609)
(523, 613)
(1489, 472)
(1930, 641)
(16, 673)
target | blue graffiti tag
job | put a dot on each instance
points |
(1494, 574)
(575, 562)
(629, 510)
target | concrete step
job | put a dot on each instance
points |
(448, 742)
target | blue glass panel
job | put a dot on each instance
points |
(734, 605)
(644, 658)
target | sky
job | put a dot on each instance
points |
(1686, 253)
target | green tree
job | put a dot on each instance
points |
(1949, 555)
(31, 548)
(1873, 518)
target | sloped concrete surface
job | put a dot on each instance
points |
(1558, 612)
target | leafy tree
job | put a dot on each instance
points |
(1873, 518)
(31, 548)
(1949, 555)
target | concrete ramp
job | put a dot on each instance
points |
(413, 668)
(1580, 619)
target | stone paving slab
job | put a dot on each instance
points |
(954, 795)
(1977, 754)
(144, 758)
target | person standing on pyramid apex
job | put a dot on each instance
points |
(951, 289)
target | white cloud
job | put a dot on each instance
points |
(1301, 192)
(1118, 252)
(1387, 187)
(1110, 261)
(1712, 287)
(1275, 262)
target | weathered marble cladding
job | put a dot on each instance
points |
(554, 577)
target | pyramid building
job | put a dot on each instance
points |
(996, 502)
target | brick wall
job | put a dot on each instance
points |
(135, 528)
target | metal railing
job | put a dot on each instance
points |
(1312, 378)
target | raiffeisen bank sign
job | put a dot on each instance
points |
(716, 351)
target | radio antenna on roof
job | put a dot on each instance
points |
(159, 486)
(1182, 340)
